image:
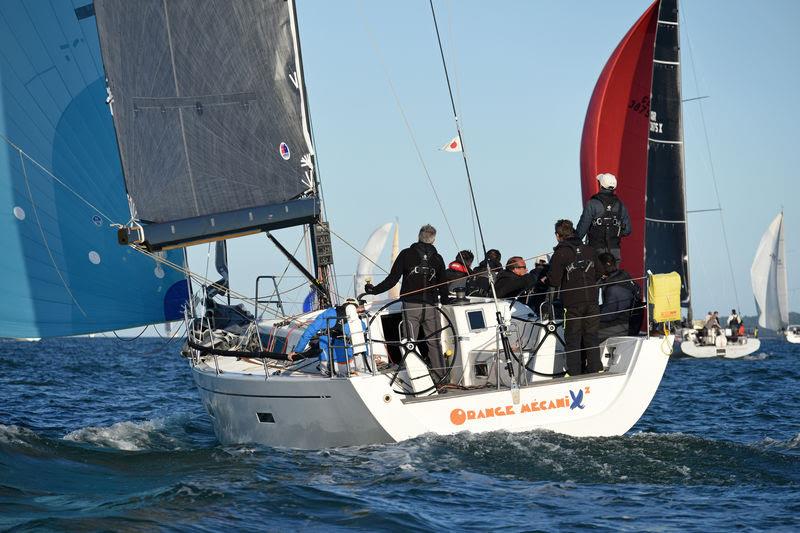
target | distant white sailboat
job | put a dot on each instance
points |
(369, 257)
(768, 278)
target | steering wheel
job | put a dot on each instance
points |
(410, 345)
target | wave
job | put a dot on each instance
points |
(17, 436)
(649, 458)
(159, 434)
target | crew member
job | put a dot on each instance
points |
(459, 268)
(540, 289)
(734, 320)
(573, 270)
(479, 283)
(424, 283)
(514, 280)
(619, 313)
(605, 219)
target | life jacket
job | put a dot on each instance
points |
(424, 269)
(605, 231)
(458, 267)
(580, 272)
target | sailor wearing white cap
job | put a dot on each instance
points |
(605, 219)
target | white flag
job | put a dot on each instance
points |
(452, 146)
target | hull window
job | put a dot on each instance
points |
(266, 418)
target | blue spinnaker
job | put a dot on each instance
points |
(61, 185)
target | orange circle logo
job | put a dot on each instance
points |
(458, 416)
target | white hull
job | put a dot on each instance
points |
(309, 410)
(730, 351)
(793, 334)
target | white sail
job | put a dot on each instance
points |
(370, 255)
(768, 278)
(394, 292)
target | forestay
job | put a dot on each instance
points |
(61, 186)
(768, 278)
(209, 109)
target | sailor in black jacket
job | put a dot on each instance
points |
(605, 219)
(514, 280)
(620, 313)
(573, 270)
(424, 283)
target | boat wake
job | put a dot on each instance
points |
(648, 458)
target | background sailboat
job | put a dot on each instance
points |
(370, 255)
(768, 278)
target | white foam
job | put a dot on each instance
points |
(128, 436)
(16, 435)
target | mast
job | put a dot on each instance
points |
(321, 250)
(503, 329)
(687, 283)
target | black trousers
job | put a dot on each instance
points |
(580, 335)
(423, 318)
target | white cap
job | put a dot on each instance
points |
(607, 181)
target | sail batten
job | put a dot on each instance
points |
(209, 110)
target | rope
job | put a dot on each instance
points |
(44, 238)
(711, 165)
(132, 338)
(55, 178)
(410, 131)
(458, 130)
(357, 251)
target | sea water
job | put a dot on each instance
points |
(102, 434)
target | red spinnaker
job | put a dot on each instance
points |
(616, 129)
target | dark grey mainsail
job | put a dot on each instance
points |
(210, 116)
(665, 211)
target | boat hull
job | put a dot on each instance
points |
(320, 412)
(730, 351)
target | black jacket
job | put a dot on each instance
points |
(416, 277)
(579, 286)
(509, 285)
(620, 295)
(594, 209)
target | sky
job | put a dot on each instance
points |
(523, 73)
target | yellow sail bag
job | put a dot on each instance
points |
(664, 293)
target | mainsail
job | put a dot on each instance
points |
(61, 186)
(633, 129)
(768, 278)
(210, 115)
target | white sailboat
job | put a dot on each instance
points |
(505, 367)
(768, 278)
(369, 257)
(216, 145)
(793, 334)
